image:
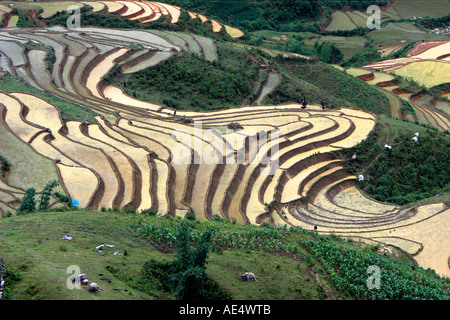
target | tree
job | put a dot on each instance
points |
(329, 53)
(44, 201)
(190, 276)
(28, 202)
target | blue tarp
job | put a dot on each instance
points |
(75, 203)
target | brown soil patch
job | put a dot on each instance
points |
(417, 96)
(367, 77)
(443, 56)
(398, 91)
(424, 46)
(7, 18)
(385, 84)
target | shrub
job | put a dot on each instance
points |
(64, 199)
(44, 201)
(235, 126)
(28, 204)
(190, 215)
(151, 212)
(189, 268)
(4, 166)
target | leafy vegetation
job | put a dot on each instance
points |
(432, 23)
(364, 57)
(292, 256)
(399, 281)
(328, 52)
(187, 81)
(5, 166)
(44, 201)
(319, 82)
(189, 276)
(407, 108)
(28, 204)
(11, 276)
(184, 278)
(26, 19)
(408, 172)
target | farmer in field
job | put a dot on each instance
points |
(304, 103)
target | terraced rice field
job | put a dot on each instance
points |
(424, 114)
(435, 52)
(427, 73)
(410, 8)
(50, 8)
(148, 11)
(358, 18)
(142, 156)
(340, 21)
(425, 65)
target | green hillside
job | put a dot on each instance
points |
(189, 82)
(289, 263)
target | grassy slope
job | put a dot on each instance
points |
(407, 173)
(190, 82)
(31, 246)
(164, 83)
(320, 82)
(28, 168)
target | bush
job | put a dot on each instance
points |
(4, 166)
(407, 173)
(190, 216)
(64, 199)
(235, 126)
(151, 212)
(189, 269)
(44, 201)
(28, 204)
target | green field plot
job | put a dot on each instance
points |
(24, 6)
(13, 21)
(50, 8)
(340, 21)
(443, 106)
(28, 168)
(5, 8)
(358, 18)
(357, 72)
(427, 73)
(420, 8)
(390, 13)
(395, 33)
(208, 47)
